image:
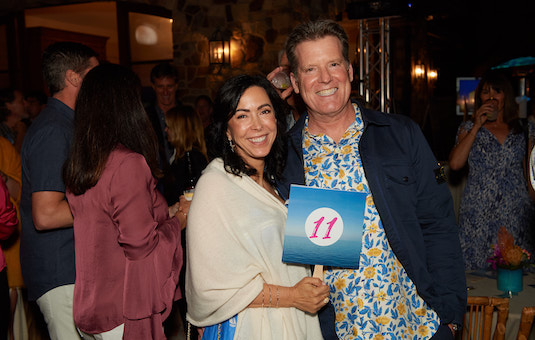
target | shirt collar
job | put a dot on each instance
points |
(356, 126)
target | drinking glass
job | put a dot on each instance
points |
(188, 193)
(492, 116)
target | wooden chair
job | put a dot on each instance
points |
(478, 318)
(526, 320)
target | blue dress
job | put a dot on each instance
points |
(495, 195)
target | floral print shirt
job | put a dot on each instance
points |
(378, 300)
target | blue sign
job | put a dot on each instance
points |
(324, 226)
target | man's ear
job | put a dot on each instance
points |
(73, 78)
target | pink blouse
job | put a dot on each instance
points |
(8, 219)
(128, 251)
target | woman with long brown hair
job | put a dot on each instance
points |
(127, 240)
(494, 145)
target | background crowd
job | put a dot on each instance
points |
(110, 249)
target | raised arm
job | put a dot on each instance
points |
(465, 139)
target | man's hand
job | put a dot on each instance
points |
(286, 93)
(452, 328)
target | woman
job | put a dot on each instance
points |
(236, 222)
(10, 170)
(186, 134)
(12, 112)
(494, 144)
(127, 240)
(8, 224)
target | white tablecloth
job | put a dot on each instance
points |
(484, 284)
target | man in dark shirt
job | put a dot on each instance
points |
(164, 79)
(47, 242)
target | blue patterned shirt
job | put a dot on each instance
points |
(378, 300)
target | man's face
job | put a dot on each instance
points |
(165, 89)
(323, 78)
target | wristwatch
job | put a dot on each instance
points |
(455, 327)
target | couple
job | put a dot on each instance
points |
(410, 281)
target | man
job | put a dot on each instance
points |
(410, 279)
(47, 243)
(164, 78)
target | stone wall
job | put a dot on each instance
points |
(257, 30)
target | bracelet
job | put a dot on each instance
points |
(277, 297)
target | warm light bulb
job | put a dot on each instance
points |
(419, 71)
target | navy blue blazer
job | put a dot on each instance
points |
(414, 204)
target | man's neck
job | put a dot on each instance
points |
(166, 108)
(66, 98)
(334, 125)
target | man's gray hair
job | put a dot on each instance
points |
(314, 30)
(60, 57)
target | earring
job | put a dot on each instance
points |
(232, 145)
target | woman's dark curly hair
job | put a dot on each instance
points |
(225, 105)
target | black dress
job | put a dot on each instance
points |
(184, 174)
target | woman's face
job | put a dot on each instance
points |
(487, 92)
(253, 127)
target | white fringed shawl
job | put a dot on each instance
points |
(234, 245)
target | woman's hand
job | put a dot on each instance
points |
(310, 294)
(173, 209)
(182, 211)
(480, 116)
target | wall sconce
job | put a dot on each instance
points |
(219, 49)
(419, 71)
(432, 75)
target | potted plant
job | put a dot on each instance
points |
(508, 259)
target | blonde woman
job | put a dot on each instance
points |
(186, 134)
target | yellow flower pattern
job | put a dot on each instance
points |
(378, 300)
(374, 252)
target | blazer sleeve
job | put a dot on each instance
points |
(440, 232)
(151, 244)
